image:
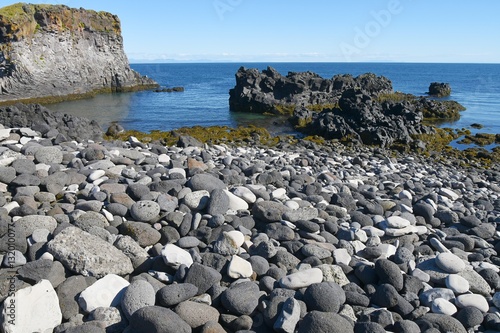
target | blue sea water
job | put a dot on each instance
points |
(205, 99)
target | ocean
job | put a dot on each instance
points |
(205, 99)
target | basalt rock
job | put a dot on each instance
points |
(50, 123)
(272, 92)
(361, 118)
(362, 109)
(439, 89)
(55, 52)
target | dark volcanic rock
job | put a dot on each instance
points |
(270, 91)
(43, 120)
(362, 109)
(439, 89)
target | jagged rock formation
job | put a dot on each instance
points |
(362, 109)
(49, 123)
(363, 119)
(55, 52)
(272, 92)
(439, 89)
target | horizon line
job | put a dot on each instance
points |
(207, 61)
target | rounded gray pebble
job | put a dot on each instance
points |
(138, 294)
(144, 211)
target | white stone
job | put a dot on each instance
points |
(488, 265)
(161, 276)
(437, 245)
(443, 306)
(36, 309)
(289, 316)
(96, 175)
(406, 208)
(4, 134)
(302, 279)
(108, 215)
(474, 300)
(239, 268)
(163, 159)
(235, 202)
(175, 256)
(47, 256)
(373, 231)
(457, 284)
(105, 292)
(245, 194)
(10, 206)
(279, 194)
(405, 195)
(237, 237)
(449, 194)
(292, 204)
(177, 170)
(341, 256)
(361, 235)
(397, 222)
(396, 232)
(387, 250)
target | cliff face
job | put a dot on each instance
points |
(54, 52)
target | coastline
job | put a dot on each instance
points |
(255, 220)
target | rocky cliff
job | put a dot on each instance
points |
(56, 52)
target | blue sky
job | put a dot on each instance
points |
(317, 30)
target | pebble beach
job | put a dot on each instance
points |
(123, 236)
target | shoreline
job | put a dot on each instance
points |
(263, 224)
(263, 219)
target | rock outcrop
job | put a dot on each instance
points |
(50, 123)
(361, 118)
(438, 89)
(53, 52)
(362, 109)
(271, 92)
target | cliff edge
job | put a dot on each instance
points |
(53, 52)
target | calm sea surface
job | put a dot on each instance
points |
(205, 99)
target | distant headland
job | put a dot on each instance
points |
(50, 53)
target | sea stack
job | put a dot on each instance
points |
(53, 52)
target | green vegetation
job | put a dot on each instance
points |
(396, 97)
(212, 135)
(441, 110)
(20, 22)
(481, 139)
(57, 99)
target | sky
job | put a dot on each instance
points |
(436, 31)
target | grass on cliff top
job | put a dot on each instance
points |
(20, 22)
